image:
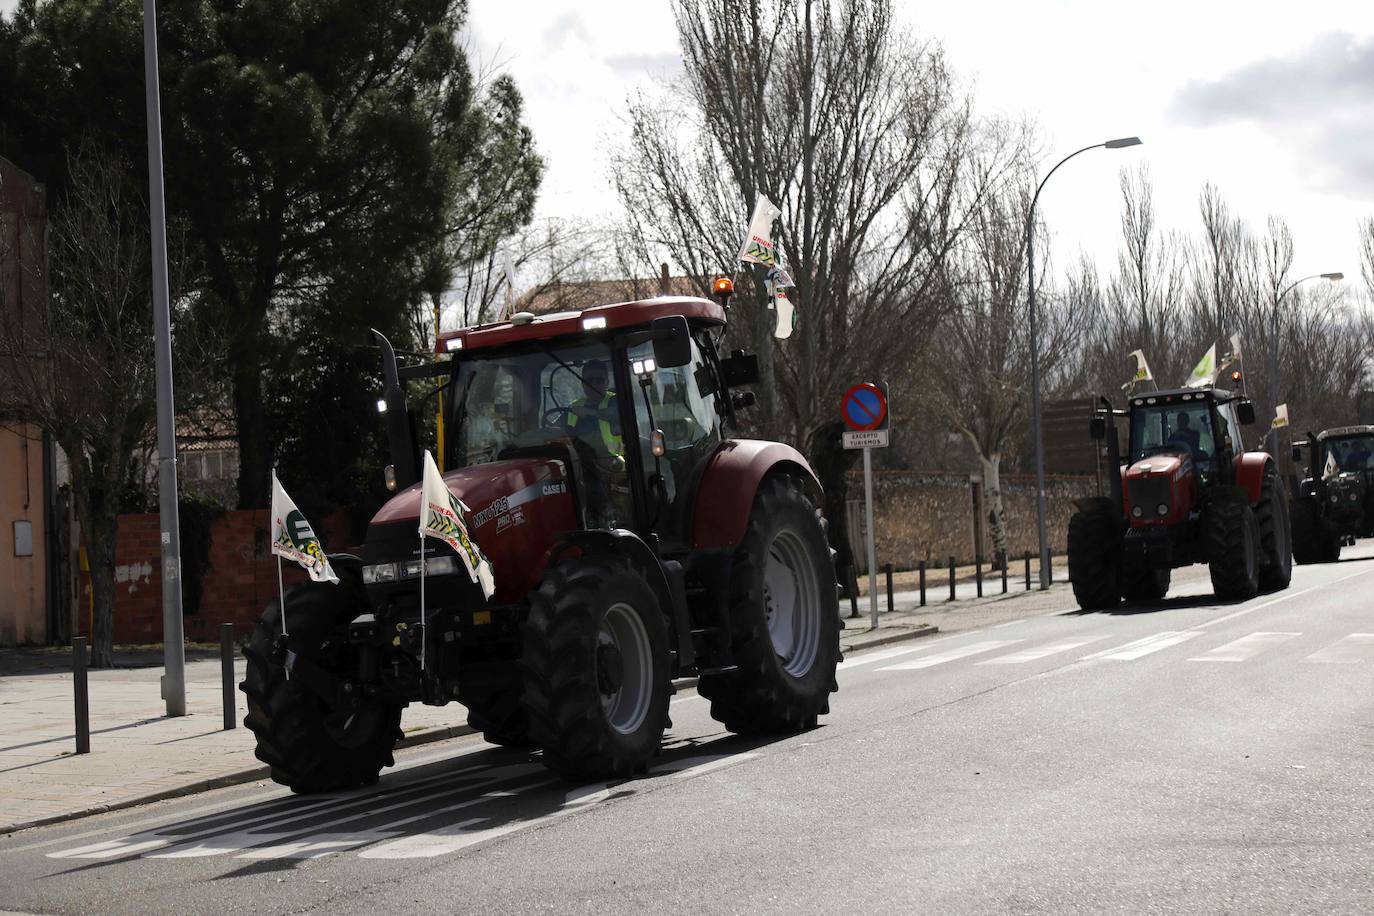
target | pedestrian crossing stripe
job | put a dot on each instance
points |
(1239, 650)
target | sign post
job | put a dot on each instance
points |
(865, 414)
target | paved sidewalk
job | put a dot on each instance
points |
(138, 755)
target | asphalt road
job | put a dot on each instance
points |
(1183, 757)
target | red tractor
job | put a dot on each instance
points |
(632, 542)
(1186, 493)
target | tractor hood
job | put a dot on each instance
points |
(1165, 465)
(488, 490)
(516, 511)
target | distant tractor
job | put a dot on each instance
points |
(1335, 501)
(632, 542)
(1187, 493)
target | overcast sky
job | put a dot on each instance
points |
(1272, 101)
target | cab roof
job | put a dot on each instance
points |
(1182, 395)
(1338, 431)
(524, 326)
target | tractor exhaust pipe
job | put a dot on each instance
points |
(400, 433)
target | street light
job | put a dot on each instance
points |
(1334, 276)
(1036, 433)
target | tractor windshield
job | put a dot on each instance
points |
(527, 398)
(1349, 453)
(1174, 428)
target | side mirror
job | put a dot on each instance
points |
(740, 368)
(1097, 428)
(1245, 412)
(672, 342)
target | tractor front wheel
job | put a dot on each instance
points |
(311, 745)
(1145, 583)
(595, 665)
(1233, 547)
(784, 619)
(1095, 558)
(1276, 534)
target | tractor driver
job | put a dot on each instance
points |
(1185, 435)
(594, 418)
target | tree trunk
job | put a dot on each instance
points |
(255, 446)
(996, 514)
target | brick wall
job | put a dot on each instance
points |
(929, 516)
(241, 580)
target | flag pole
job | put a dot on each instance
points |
(424, 636)
(281, 589)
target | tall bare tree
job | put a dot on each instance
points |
(84, 371)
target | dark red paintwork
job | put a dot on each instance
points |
(721, 514)
(618, 315)
(1185, 492)
(514, 538)
(1250, 473)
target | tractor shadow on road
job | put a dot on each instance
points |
(435, 809)
(1131, 608)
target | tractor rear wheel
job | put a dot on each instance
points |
(1095, 558)
(1233, 548)
(310, 745)
(1144, 583)
(595, 666)
(784, 619)
(1276, 534)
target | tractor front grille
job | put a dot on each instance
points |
(1147, 494)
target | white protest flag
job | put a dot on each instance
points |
(786, 313)
(1204, 371)
(1331, 468)
(758, 243)
(1142, 369)
(293, 538)
(1234, 356)
(1280, 417)
(441, 515)
(507, 285)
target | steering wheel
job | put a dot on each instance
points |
(555, 420)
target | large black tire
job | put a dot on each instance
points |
(784, 619)
(1095, 558)
(1144, 583)
(310, 746)
(595, 661)
(1305, 525)
(1276, 534)
(1233, 549)
(501, 718)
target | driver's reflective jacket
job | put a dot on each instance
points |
(614, 444)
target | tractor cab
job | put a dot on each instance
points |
(1202, 427)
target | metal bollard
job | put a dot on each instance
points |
(951, 578)
(226, 670)
(887, 571)
(978, 573)
(83, 708)
(1004, 574)
(922, 567)
(1027, 572)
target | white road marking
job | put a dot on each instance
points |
(950, 655)
(1286, 595)
(882, 655)
(1039, 652)
(1142, 647)
(1239, 650)
(1355, 648)
(1009, 623)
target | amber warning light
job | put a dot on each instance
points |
(723, 288)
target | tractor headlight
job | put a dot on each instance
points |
(1162, 509)
(1137, 512)
(434, 566)
(381, 572)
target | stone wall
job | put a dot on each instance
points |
(929, 515)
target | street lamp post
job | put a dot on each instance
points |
(1335, 276)
(1036, 432)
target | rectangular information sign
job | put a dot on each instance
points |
(868, 438)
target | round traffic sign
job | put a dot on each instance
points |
(864, 407)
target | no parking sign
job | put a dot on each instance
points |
(865, 411)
